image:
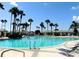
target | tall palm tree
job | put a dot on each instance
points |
(47, 22)
(30, 20)
(17, 22)
(26, 25)
(14, 11)
(5, 21)
(42, 26)
(21, 13)
(56, 25)
(11, 11)
(2, 24)
(51, 24)
(20, 25)
(74, 26)
(1, 6)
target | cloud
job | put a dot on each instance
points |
(45, 4)
(14, 4)
(75, 7)
(75, 18)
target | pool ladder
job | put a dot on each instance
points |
(13, 50)
(34, 45)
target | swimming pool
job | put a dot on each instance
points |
(34, 42)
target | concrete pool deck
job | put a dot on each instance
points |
(41, 52)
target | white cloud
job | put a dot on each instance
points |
(45, 4)
(75, 7)
(14, 4)
(76, 18)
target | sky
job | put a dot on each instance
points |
(62, 13)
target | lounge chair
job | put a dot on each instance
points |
(74, 50)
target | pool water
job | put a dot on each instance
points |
(34, 42)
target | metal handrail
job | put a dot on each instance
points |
(13, 50)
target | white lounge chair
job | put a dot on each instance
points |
(74, 50)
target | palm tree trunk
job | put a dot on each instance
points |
(17, 25)
(2, 26)
(17, 28)
(41, 29)
(21, 19)
(10, 22)
(20, 22)
(47, 27)
(55, 28)
(51, 29)
(75, 31)
(14, 25)
(26, 29)
(30, 26)
(4, 29)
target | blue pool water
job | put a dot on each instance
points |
(34, 42)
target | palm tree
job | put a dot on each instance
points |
(30, 20)
(56, 25)
(14, 11)
(21, 13)
(47, 21)
(23, 26)
(26, 25)
(5, 21)
(51, 24)
(74, 26)
(42, 26)
(11, 11)
(2, 24)
(17, 22)
(1, 6)
(20, 25)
